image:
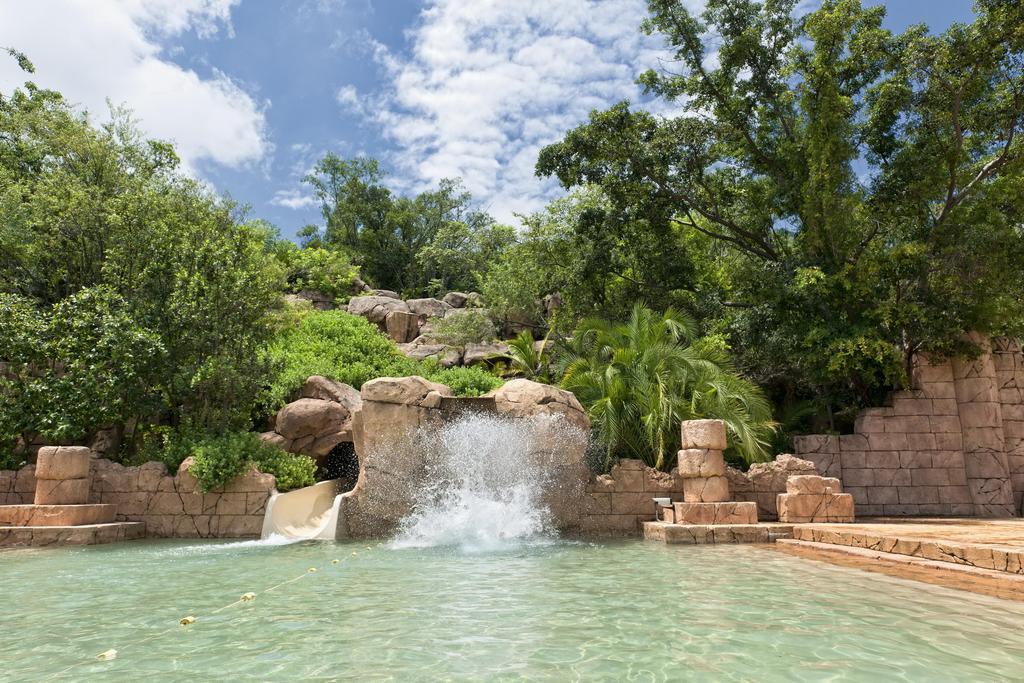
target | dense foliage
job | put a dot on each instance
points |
(423, 245)
(219, 458)
(859, 190)
(348, 349)
(640, 379)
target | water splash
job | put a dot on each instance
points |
(484, 492)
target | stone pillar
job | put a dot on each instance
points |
(705, 485)
(985, 461)
(62, 475)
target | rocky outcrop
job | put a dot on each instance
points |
(376, 308)
(421, 349)
(431, 308)
(456, 299)
(318, 421)
(476, 354)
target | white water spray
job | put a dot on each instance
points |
(484, 489)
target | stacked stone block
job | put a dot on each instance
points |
(62, 475)
(705, 485)
(810, 498)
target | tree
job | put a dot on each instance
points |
(863, 187)
(409, 244)
(640, 379)
(100, 223)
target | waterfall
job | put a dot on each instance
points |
(483, 490)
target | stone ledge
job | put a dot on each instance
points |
(56, 515)
(964, 577)
(90, 534)
(706, 534)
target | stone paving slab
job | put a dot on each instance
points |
(88, 534)
(997, 584)
(996, 545)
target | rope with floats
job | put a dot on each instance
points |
(190, 620)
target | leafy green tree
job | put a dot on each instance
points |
(641, 378)
(863, 187)
(103, 211)
(418, 245)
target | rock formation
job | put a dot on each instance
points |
(318, 420)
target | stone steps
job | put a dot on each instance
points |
(87, 534)
(56, 515)
(703, 534)
(989, 556)
(991, 582)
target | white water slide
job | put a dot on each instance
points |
(307, 513)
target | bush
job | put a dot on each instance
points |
(328, 271)
(349, 349)
(465, 381)
(219, 458)
(468, 326)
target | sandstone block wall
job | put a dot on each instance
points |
(170, 506)
(617, 503)
(954, 446)
(174, 507)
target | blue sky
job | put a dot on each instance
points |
(254, 91)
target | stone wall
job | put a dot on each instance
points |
(617, 503)
(173, 506)
(953, 446)
(170, 506)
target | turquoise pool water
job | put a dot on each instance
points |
(539, 611)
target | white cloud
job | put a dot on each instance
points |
(95, 51)
(488, 83)
(348, 97)
(293, 199)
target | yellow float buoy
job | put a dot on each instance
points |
(108, 655)
(311, 570)
(334, 561)
(248, 597)
(185, 621)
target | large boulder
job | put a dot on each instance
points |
(402, 327)
(484, 353)
(414, 390)
(421, 349)
(318, 421)
(431, 308)
(387, 293)
(525, 398)
(376, 308)
(455, 299)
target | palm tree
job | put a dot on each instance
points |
(528, 359)
(640, 379)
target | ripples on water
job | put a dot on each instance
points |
(554, 611)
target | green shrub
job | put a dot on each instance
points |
(219, 458)
(349, 349)
(468, 326)
(291, 471)
(465, 381)
(328, 271)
